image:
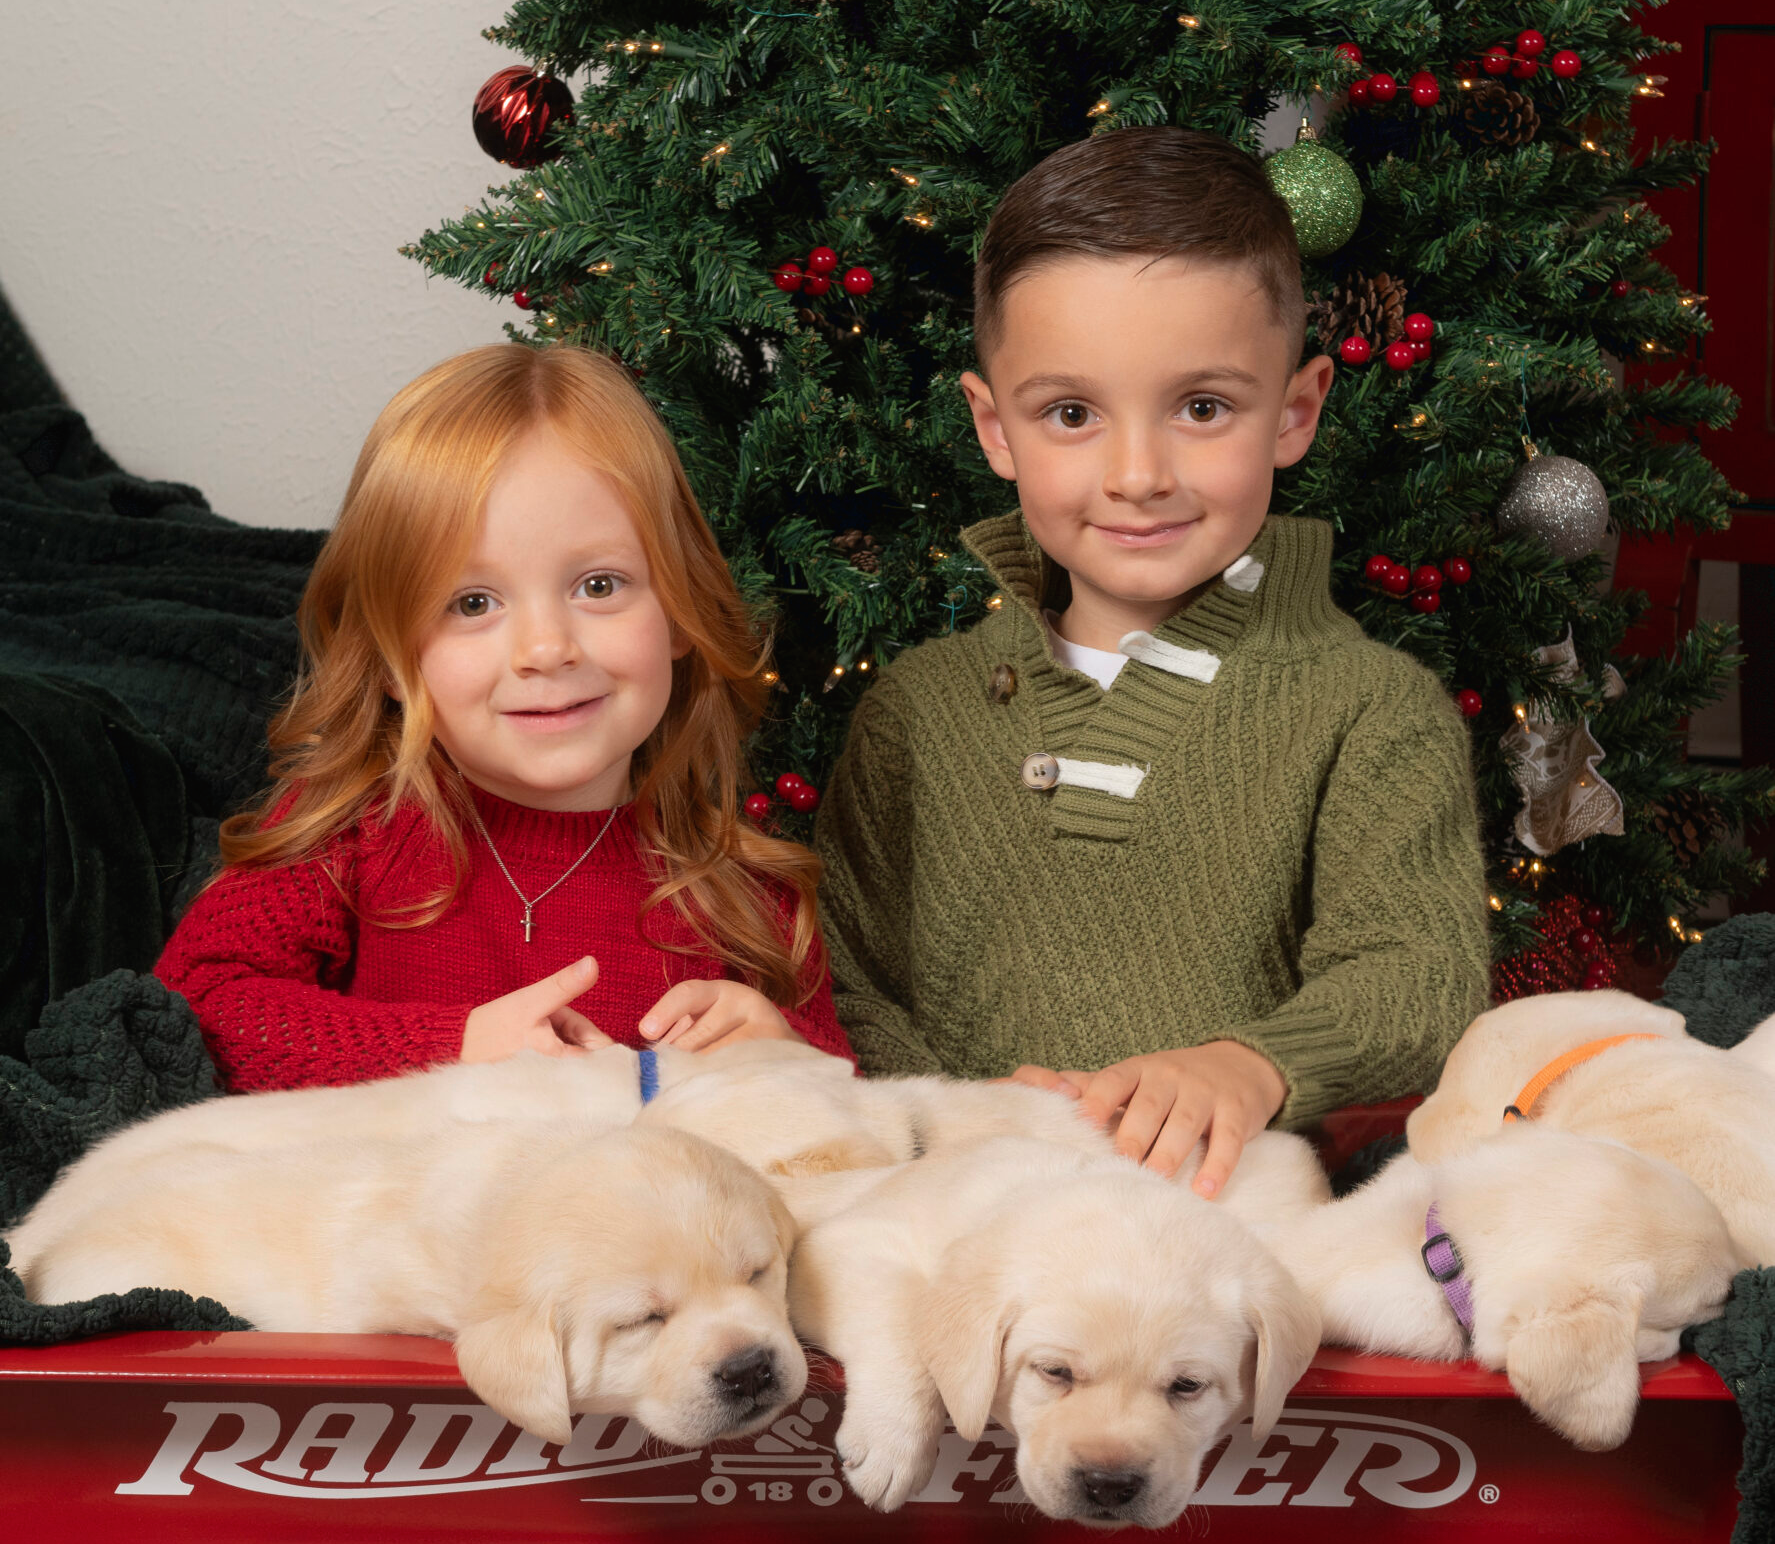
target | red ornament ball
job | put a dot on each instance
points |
(1495, 60)
(491, 274)
(1469, 702)
(1377, 568)
(757, 805)
(822, 260)
(788, 278)
(1350, 51)
(858, 281)
(1396, 580)
(521, 299)
(816, 284)
(788, 783)
(1426, 577)
(1358, 93)
(1457, 570)
(1382, 87)
(514, 112)
(1584, 941)
(1529, 43)
(1354, 351)
(1419, 328)
(1523, 69)
(1620, 289)
(1565, 64)
(1426, 601)
(1424, 90)
(804, 799)
(1400, 355)
(1593, 917)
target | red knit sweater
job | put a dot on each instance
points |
(295, 981)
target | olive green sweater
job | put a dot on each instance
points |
(1298, 868)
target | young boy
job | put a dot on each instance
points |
(1167, 820)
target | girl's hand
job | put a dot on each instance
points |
(535, 1018)
(696, 1015)
(1171, 1099)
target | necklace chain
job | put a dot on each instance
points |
(531, 901)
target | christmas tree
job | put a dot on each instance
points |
(771, 215)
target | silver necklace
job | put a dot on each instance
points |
(530, 901)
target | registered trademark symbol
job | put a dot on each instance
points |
(1488, 1494)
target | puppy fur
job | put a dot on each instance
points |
(1585, 1258)
(1709, 1112)
(1117, 1323)
(640, 1272)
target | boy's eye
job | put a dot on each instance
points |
(1070, 415)
(474, 604)
(599, 586)
(1202, 410)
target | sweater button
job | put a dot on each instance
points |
(1040, 771)
(1001, 686)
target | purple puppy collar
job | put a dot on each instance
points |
(1443, 1261)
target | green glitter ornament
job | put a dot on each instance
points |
(1321, 192)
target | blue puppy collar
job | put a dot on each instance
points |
(649, 1073)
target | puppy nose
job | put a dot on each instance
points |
(747, 1374)
(1110, 1488)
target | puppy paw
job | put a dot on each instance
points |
(887, 1459)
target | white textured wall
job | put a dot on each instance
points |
(203, 201)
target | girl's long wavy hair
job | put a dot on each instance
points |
(343, 747)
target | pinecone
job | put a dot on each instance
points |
(1361, 307)
(1496, 115)
(1689, 820)
(863, 550)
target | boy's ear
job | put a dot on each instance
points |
(1301, 406)
(988, 427)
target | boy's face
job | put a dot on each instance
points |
(1141, 408)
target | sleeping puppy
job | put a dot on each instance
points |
(1582, 1258)
(1116, 1323)
(1709, 1112)
(641, 1272)
(1758, 1047)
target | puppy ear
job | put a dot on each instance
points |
(1287, 1325)
(512, 1361)
(1577, 1367)
(783, 1220)
(960, 1332)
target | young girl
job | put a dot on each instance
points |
(505, 808)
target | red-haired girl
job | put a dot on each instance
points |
(505, 801)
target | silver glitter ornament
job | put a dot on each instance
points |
(1322, 193)
(1560, 501)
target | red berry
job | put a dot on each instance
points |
(1424, 90)
(1377, 568)
(521, 299)
(1400, 355)
(1354, 351)
(757, 805)
(1529, 43)
(1466, 69)
(1596, 976)
(1457, 570)
(1426, 601)
(804, 798)
(1350, 51)
(1620, 289)
(1358, 93)
(1495, 60)
(788, 278)
(822, 260)
(1396, 580)
(1592, 916)
(858, 281)
(788, 783)
(1523, 69)
(1469, 702)
(1382, 87)
(1426, 577)
(1565, 64)
(1419, 328)
(491, 274)
(816, 284)
(1584, 941)
(1420, 351)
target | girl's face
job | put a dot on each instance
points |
(552, 662)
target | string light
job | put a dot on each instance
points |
(1676, 925)
(1694, 300)
(770, 678)
(862, 664)
(1649, 84)
(719, 150)
(1192, 22)
(1100, 107)
(995, 602)
(922, 220)
(1493, 902)
(1694, 934)
(905, 177)
(938, 554)
(1520, 711)
(600, 267)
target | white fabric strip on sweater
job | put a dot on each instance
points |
(1149, 650)
(1244, 574)
(1105, 777)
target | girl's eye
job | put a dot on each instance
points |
(1202, 410)
(474, 604)
(599, 586)
(1071, 415)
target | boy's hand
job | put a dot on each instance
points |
(535, 1018)
(697, 1015)
(1170, 1099)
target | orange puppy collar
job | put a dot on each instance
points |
(1557, 1069)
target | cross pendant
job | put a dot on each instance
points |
(526, 924)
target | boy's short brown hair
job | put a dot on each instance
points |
(1145, 192)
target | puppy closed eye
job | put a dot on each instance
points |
(651, 1321)
(1185, 1388)
(759, 1275)
(1056, 1373)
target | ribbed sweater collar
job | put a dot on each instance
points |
(519, 831)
